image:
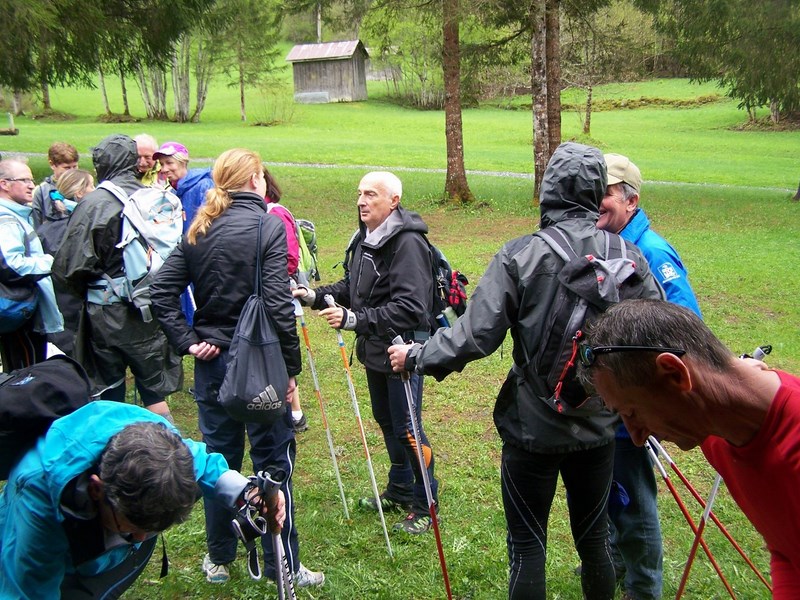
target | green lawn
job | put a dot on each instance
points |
(738, 240)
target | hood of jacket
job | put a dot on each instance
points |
(573, 184)
(398, 220)
(193, 177)
(115, 157)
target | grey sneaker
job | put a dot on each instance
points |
(306, 578)
(215, 573)
(301, 424)
(387, 503)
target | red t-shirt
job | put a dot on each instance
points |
(764, 479)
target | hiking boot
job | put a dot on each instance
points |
(300, 425)
(215, 573)
(306, 578)
(387, 504)
(414, 523)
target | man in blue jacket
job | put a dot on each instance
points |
(81, 513)
(636, 535)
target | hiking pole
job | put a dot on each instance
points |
(249, 525)
(300, 315)
(697, 536)
(269, 486)
(665, 476)
(330, 302)
(660, 449)
(405, 376)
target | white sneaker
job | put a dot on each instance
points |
(215, 573)
(306, 578)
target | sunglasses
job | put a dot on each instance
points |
(588, 354)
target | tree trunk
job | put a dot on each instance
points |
(46, 96)
(180, 78)
(318, 20)
(158, 79)
(102, 78)
(202, 72)
(553, 63)
(16, 103)
(587, 121)
(126, 108)
(240, 58)
(541, 142)
(149, 109)
(456, 189)
(774, 111)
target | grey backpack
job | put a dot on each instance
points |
(588, 285)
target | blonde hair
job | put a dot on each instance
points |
(74, 182)
(231, 172)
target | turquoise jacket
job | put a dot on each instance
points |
(35, 550)
(34, 265)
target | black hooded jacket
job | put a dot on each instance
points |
(95, 227)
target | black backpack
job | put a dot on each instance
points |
(255, 383)
(588, 285)
(449, 286)
(32, 398)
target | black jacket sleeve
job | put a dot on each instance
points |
(165, 293)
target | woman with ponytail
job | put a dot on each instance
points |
(218, 256)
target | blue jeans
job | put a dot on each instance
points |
(636, 531)
(528, 483)
(270, 448)
(390, 410)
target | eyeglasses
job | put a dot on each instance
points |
(128, 536)
(25, 180)
(588, 354)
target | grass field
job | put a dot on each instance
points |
(738, 238)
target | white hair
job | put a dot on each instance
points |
(389, 180)
(146, 140)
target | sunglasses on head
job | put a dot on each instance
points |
(588, 354)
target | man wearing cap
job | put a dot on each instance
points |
(636, 532)
(116, 337)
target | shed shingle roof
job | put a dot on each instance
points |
(327, 51)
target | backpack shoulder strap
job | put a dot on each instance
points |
(117, 191)
(558, 242)
(615, 246)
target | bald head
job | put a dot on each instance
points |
(16, 181)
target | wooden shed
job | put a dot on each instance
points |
(330, 72)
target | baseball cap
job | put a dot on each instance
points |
(621, 169)
(170, 149)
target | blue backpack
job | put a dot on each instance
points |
(18, 298)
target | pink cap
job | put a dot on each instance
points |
(170, 149)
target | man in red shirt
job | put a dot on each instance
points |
(668, 376)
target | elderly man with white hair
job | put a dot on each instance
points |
(388, 291)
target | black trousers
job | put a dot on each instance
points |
(528, 483)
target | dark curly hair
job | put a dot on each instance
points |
(148, 474)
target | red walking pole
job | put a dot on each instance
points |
(688, 517)
(660, 449)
